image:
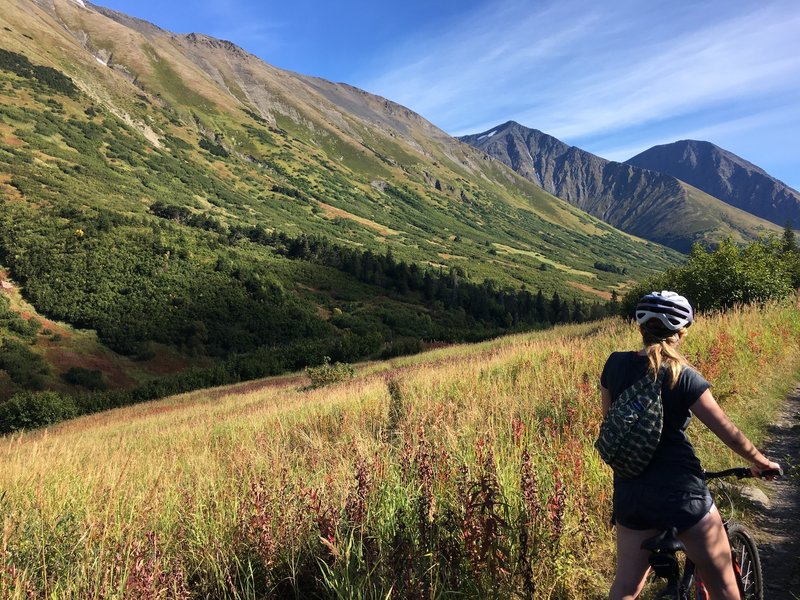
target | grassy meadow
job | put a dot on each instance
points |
(467, 471)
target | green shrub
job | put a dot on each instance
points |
(328, 374)
(610, 268)
(215, 149)
(91, 379)
(15, 323)
(726, 276)
(30, 410)
(26, 368)
(20, 65)
(401, 346)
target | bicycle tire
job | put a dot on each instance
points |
(700, 591)
(746, 562)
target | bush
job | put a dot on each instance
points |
(20, 65)
(610, 268)
(401, 346)
(26, 328)
(15, 323)
(91, 379)
(215, 149)
(725, 277)
(29, 410)
(328, 374)
(26, 368)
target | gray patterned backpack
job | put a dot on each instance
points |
(632, 426)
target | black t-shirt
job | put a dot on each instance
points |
(675, 464)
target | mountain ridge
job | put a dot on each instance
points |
(726, 176)
(643, 202)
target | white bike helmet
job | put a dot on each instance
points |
(671, 309)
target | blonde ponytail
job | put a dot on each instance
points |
(660, 351)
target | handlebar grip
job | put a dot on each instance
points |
(743, 473)
(738, 472)
(771, 473)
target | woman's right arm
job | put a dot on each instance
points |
(712, 416)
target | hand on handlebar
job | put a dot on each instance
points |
(771, 472)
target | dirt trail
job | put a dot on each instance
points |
(779, 544)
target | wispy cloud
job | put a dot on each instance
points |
(735, 62)
(478, 61)
(605, 76)
(576, 69)
(724, 133)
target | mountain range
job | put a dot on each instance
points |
(677, 195)
(726, 176)
(194, 205)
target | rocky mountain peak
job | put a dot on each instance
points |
(641, 201)
(200, 39)
(726, 176)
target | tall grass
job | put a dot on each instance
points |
(466, 472)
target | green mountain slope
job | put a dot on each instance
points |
(175, 190)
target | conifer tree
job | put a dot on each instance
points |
(789, 239)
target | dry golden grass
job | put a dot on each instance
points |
(332, 212)
(463, 469)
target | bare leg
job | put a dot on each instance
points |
(707, 545)
(632, 563)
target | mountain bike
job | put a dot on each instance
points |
(665, 546)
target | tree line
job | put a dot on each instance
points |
(730, 274)
(52, 78)
(449, 289)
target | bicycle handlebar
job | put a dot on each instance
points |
(742, 473)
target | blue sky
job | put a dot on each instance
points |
(611, 77)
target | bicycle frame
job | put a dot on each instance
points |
(664, 549)
(679, 585)
(665, 546)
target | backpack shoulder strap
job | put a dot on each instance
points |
(660, 377)
(643, 383)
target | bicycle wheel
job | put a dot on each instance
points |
(746, 562)
(700, 591)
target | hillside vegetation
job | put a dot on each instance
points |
(186, 200)
(730, 275)
(467, 471)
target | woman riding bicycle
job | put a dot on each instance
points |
(671, 491)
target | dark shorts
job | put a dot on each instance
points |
(646, 507)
